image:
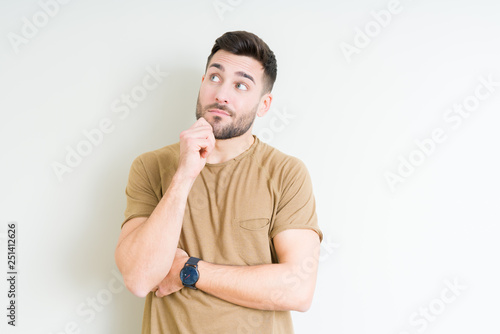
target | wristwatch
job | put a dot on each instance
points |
(190, 273)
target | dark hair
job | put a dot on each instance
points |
(243, 43)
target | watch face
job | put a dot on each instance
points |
(189, 275)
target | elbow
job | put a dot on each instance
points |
(303, 304)
(300, 300)
(134, 281)
(293, 302)
(138, 291)
(139, 283)
(136, 287)
(297, 298)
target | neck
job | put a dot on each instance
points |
(227, 149)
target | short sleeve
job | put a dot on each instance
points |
(296, 206)
(141, 197)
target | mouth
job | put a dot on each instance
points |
(218, 112)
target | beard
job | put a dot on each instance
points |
(238, 126)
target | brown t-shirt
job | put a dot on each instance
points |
(233, 212)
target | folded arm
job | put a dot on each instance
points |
(147, 247)
(283, 286)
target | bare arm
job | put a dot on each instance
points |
(147, 246)
(287, 285)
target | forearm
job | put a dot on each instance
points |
(145, 256)
(279, 286)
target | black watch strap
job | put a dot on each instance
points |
(193, 261)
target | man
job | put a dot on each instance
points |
(221, 232)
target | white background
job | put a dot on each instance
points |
(388, 252)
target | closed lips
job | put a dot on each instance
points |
(218, 111)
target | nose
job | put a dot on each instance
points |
(222, 95)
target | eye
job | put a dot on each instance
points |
(241, 86)
(214, 78)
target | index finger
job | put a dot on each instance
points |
(201, 122)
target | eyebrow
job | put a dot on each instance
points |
(239, 73)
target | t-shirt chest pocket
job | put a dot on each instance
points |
(254, 224)
(251, 223)
(241, 197)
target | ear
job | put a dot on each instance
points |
(202, 77)
(265, 104)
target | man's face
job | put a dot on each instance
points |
(231, 94)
